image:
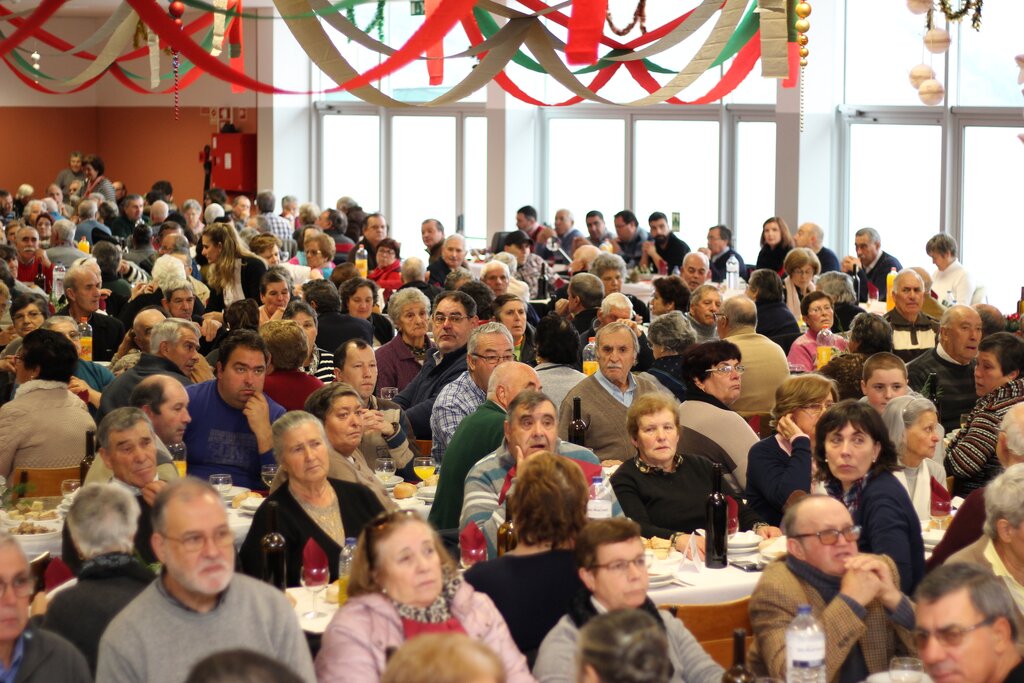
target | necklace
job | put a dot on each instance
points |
(327, 517)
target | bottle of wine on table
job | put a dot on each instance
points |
(273, 548)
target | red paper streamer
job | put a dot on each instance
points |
(794, 66)
(586, 26)
(434, 53)
(29, 26)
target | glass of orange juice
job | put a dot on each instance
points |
(424, 467)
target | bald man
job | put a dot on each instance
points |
(564, 232)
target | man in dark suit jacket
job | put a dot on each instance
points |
(334, 328)
(719, 250)
(872, 265)
(82, 287)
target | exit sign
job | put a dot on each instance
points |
(416, 8)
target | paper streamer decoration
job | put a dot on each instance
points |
(120, 39)
(153, 42)
(44, 11)
(774, 38)
(219, 22)
(586, 26)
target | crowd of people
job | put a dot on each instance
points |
(255, 335)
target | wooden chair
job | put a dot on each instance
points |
(41, 481)
(425, 446)
(37, 567)
(712, 625)
(760, 423)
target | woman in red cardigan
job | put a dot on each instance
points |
(387, 274)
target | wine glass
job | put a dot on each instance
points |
(940, 510)
(267, 474)
(221, 482)
(471, 556)
(424, 467)
(385, 468)
(178, 452)
(388, 393)
(905, 670)
(314, 579)
(69, 486)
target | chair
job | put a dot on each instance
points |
(712, 625)
(760, 423)
(786, 340)
(37, 567)
(498, 241)
(425, 446)
(41, 481)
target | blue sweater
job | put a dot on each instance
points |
(219, 440)
(773, 475)
(418, 398)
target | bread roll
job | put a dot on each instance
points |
(405, 490)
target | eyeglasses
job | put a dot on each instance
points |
(494, 360)
(831, 536)
(193, 543)
(453, 318)
(802, 271)
(314, 252)
(728, 369)
(378, 523)
(23, 585)
(950, 636)
(622, 566)
(816, 409)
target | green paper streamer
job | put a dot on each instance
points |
(748, 27)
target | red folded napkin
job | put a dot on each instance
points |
(940, 499)
(313, 556)
(590, 470)
(733, 511)
(56, 573)
(872, 290)
(471, 538)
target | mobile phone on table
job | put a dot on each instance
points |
(747, 565)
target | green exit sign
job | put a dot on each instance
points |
(416, 8)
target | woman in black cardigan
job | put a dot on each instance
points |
(309, 505)
(232, 272)
(775, 244)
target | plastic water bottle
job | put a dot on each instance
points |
(590, 357)
(59, 271)
(805, 648)
(826, 343)
(85, 338)
(362, 261)
(348, 551)
(599, 504)
(732, 272)
(950, 298)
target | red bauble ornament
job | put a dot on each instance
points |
(177, 9)
(177, 22)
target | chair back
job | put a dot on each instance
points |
(37, 567)
(712, 625)
(760, 423)
(424, 446)
(41, 481)
(785, 341)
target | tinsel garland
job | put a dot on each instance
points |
(973, 6)
(376, 23)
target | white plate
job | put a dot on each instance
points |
(15, 522)
(394, 481)
(884, 677)
(232, 492)
(427, 492)
(744, 540)
(658, 579)
(50, 534)
(251, 504)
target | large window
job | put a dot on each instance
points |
(422, 173)
(755, 185)
(586, 166)
(350, 161)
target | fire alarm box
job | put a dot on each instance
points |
(234, 162)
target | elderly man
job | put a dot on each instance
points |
(495, 275)
(696, 270)
(240, 210)
(992, 319)
(564, 232)
(87, 213)
(280, 227)
(607, 394)
(530, 427)
(454, 317)
(432, 234)
(478, 434)
(414, 276)
(952, 361)
(489, 346)
(32, 261)
(704, 304)
(62, 246)
(138, 337)
(612, 271)
(967, 627)
(630, 238)
(159, 211)
(173, 351)
(374, 230)
(230, 429)
(128, 449)
(619, 307)
(585, 294)
(611, 564)
(131, 216)
(913, 332)
(665, 252)
(453, 255)
(719, 250)
(856, 597)
(198, 604)
(765, 362)
(74, 171)
(811, 236)
(82, 287)
(29, 654)
(871, 265)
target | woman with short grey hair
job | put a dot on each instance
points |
(610, 269)
(402, 358)
(670, 335)
(914, 428)
(102, 521)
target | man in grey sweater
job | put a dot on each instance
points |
(198, 606)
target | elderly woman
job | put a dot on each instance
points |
(288, 346)
(971, 455)
(453, 257)
(855, 460)
(102, 520)
(232, 272)
(949, 275)
(870, 333)
(28, 312)
(839, 286)
(318, 363)
(388, 273)
(192, 210)
(275, 293)
(317, 251)
(663, 491)
(402, 358)
(404, 583)
(358, 297)
(268, 248)
(624, 646)
(44, 424)
(670, 335)
(713, 373)
(780, 466)
(773, 317)
(817, 312)
(90, 378)
(611, 270)
(914, 428)
(801, 266)
(670, 294)
(44, 226)
(776, 245)
(510, 311)
(309, 503)
(95, 181)
(549, 508)
(558, 349)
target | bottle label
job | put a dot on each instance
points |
(599, 509)
(589, 367)
(805, 652)
(824, 356)
(86, 343)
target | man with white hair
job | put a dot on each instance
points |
(87, 212)
(198, 605)
(871, 263)
(212, 212)
(617, 307)
(952, 360)
(453, 255)
(495, 275)
(913, 332)
(704, 304)
(563, 231)
(811, 236)
(62, 244)
(82, 287)
(696, 270)
(240, 210)
(158, 212)
(414, 276)
(32, 260)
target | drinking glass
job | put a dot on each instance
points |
(471, 556)
(424, 467)
(388, 393)
(314, 579)
(905, 670)
(69, 486)
(267, 474)
(178, 451)
(385, 468)
(940, 510)
(221, 482)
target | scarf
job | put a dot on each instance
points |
(440, 610)
(850, 498)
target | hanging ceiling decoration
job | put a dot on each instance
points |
(745, 31)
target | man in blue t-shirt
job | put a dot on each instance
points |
(231, 417)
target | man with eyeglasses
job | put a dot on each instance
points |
(765, 362)
(198, 605)
(913, 332)
(855, 596)
(489, 346)
(28, 653)
(230, 430)
(967, 625)
(453, 319)
(613, 568)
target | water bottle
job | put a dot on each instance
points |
(599, 503)
(348, 552)
(950, 298)
(826, 343)
(590, 357)
(85, 338)
(362, 261)
(805, 648)
(59, 271)
(732, 272)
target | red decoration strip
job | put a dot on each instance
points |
(28, 26)
(586, 26)
(434, 53)
(794, 66)
(235, 45)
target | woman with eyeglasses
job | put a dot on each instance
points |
(855, 461)
(316, 251)
(712, 372)
(232, 272)
(388, 273)
(801, 265)
(779, 468)
(817, 312)
(915, 431)
(309, 503)
(358, 298)
(28, 312)
(401, 359)
(404, 584)
(664, 492)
